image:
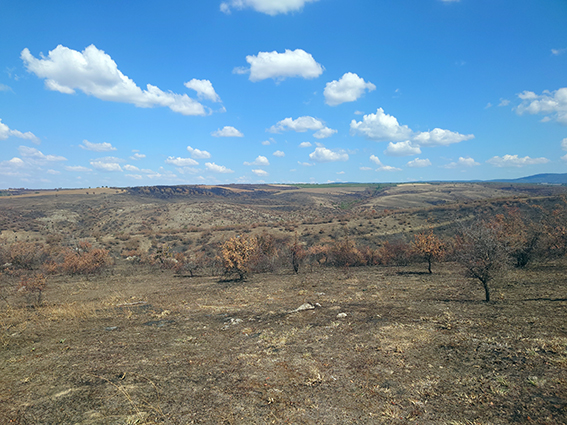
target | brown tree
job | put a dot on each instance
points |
(429, 247)
(479, 249)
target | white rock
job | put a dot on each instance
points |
(341, 315)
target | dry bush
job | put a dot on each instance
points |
(297, 253)
(397, 253)
(266, 254)
(429, 247)
(554, 223)
(480, 250)
(344, 253)
(317, 255)
(237, 254)
(32, 287)
(25, 255)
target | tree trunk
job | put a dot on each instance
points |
(486, 291)
(429, 264)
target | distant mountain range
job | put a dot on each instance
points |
(549, 178)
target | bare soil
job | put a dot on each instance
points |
(145, 346)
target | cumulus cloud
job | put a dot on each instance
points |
(35, 155)
(260, 160)
(106, 166)
(269, 7)
(301, 125)
(211, 166)
(97, 147)
(305, 145)
(129, 167)
(419, 163)
(440, 137)
(380, 127)
(462, 162)
(13, 167)
(279, 66)
(197, 153)
(279, 154)
(383, 127)
(348, 89)
(227, 131)
(402, 149)
(553, 105)
(515, 161)
(504, 102)
(95, 73)
(260, 173)
(322, 154)
(6, 132)
(204, 89)
(137, 156)
(269, 142)
(181, 162)
(382, 167)
(564, 144)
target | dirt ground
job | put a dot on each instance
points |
(368, 345)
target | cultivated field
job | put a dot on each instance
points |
(138, 321)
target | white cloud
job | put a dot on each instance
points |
(279, 154)
(137, 156)
(269, 142)
(327, 155)
(135, 176)
(13, 168)
(440, 137)
(38, 156)
(382, 167)
(128, 167)
(462, 162)
(365, 168)
(106, 166)
(564, 158)
(324, 133)
(53, 172)
(260, 173)
(305, 145)
(197, 153)
(260, 160)
(348, 89)
(305, 164)
(279, 66)
(181, 162)
(419, 163)
(95, 73)
(269, 7)
(551, 104)
(77, 168)
(402, 149)
(504, 102)
(204, 89)
(4, 87)
(515, 161)
(6, 132)
(557, 52)
(97, 147)
(211, 166)
(227, 131)
(564, 144)
(301, 125)
(381, 127)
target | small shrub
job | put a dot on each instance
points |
(396, 253)
(32, 286)
(237, 254)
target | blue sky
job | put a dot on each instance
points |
(111, 93)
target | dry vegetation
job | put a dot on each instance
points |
(280, 304)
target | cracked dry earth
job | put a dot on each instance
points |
(374, 345)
